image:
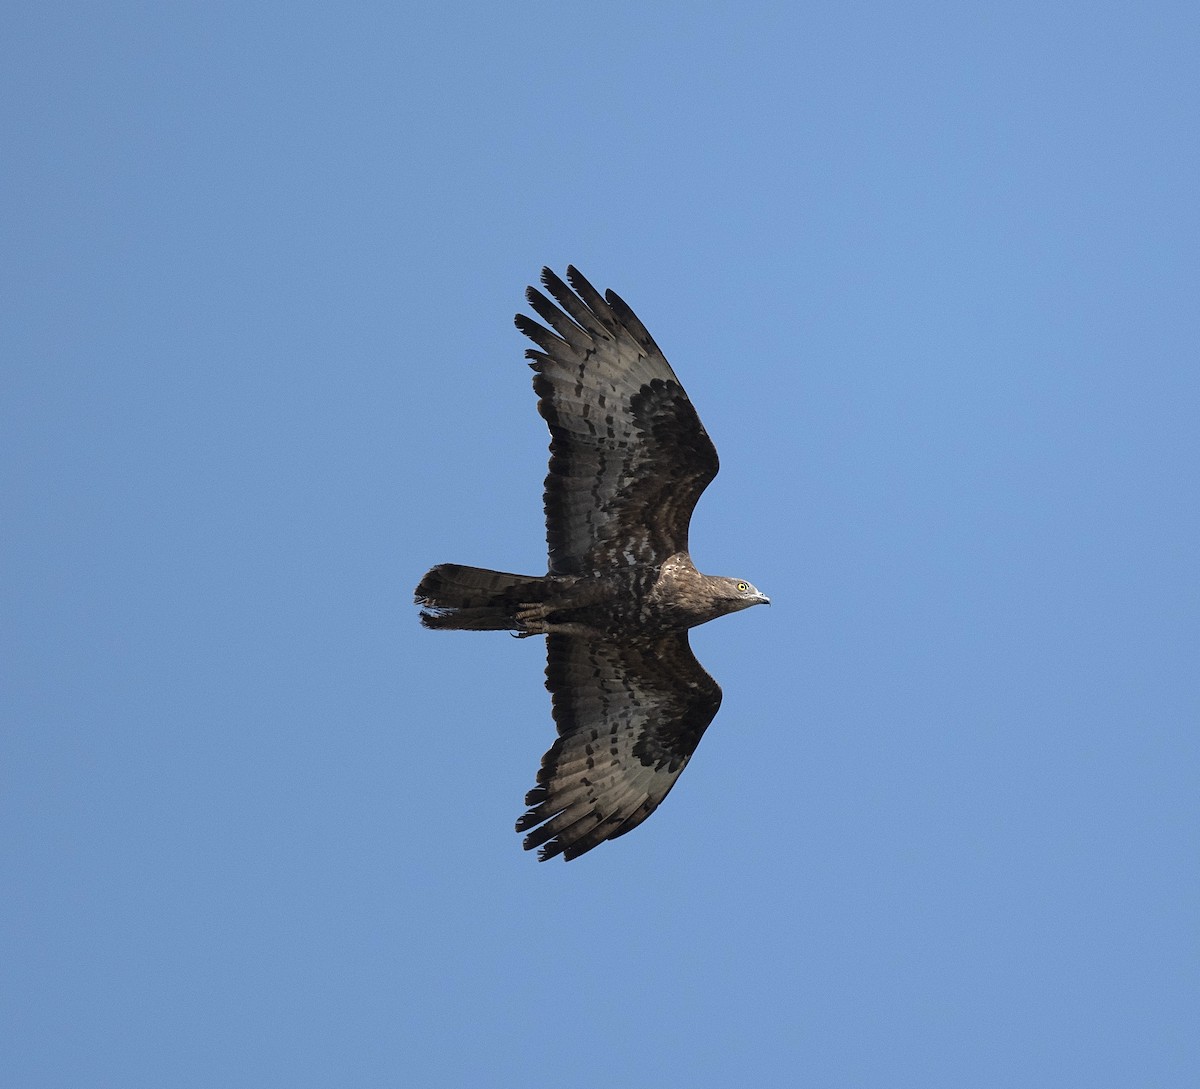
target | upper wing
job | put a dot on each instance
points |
(629, 717)
(628, 454)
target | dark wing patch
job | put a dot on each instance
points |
(629, 457)
(629, 717)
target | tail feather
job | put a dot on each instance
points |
(475, 599)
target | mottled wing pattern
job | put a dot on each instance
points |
(628, 454)
(629, 717)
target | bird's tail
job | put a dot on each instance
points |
(475, 599)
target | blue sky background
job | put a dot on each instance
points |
(930, 273)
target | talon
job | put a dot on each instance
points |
(532, 618)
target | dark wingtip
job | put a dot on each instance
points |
(528, 326)
(553, 283)
(524, 322)
(616, 302)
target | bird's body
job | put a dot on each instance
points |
(628, 460)
(641, 599)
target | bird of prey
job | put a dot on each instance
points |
(628, 461)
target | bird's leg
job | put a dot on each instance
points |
(532, 619)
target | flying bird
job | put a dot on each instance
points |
(628, 461)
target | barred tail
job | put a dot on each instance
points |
(475, 599)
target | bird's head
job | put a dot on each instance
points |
(739, 594)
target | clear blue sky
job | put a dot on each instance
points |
(931, 274)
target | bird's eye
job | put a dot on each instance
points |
(742, 587)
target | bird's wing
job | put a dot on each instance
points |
(628, 454)
(629, 717)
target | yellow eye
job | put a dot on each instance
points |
(742, 587)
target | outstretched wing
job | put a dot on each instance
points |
(628, 454)
(629, 717)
